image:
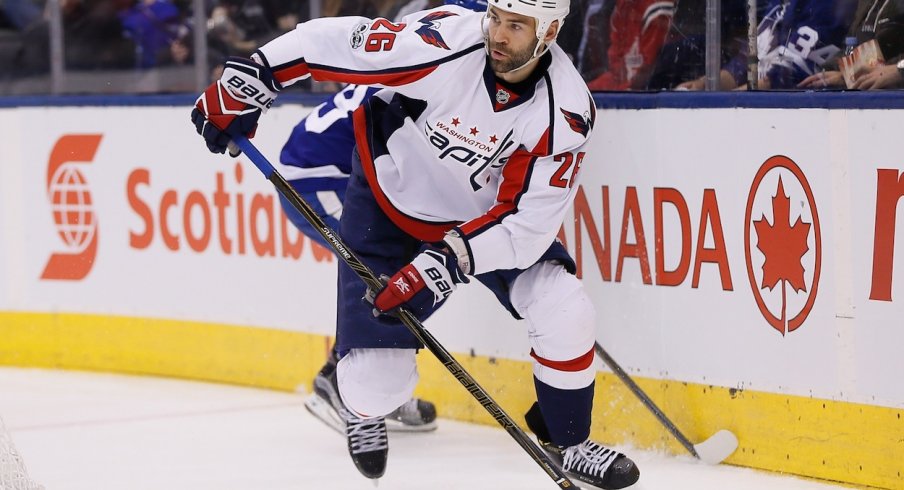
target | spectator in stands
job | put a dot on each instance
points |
(794, 40)
(284, 15)
(591, 57)
(637, 31)
(16, 18)
(387, 9)
(20, 14)
(238, 27)
(879, 20)
(683, 55)
(92, 35)
(155, 26)
(572, 33)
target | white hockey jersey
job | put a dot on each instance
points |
(447, 144)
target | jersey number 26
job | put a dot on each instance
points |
(382, 41)
(570, 161)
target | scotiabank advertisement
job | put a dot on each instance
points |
(746, 248)
(123, 211)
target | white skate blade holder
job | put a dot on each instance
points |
(718, 447)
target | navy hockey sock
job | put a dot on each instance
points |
(565, 413)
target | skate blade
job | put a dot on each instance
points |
(325, 412)
(718, 447)
(393, 425)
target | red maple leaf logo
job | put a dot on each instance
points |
(784, 246)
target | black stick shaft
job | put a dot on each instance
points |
(639, 393)
(414, 325)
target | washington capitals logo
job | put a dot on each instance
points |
(428, 31)
(579, 123)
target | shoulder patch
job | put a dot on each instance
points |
(428, 31)
(579, 123)
(357, 38)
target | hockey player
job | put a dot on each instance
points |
(464, 167)
(317, 161)
(795, 38)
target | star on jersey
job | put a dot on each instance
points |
(428, 31)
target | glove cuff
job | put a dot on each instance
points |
(460, 250)
(250, 82)
(431, 268)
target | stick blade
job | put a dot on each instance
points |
(718, 447)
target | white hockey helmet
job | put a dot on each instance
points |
(544, 11)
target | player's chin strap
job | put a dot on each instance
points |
(539, 50)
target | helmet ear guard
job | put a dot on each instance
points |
(545, 12)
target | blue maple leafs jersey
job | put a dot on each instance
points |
(446, 144)
(796, 37)
(318, 154)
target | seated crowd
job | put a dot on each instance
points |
(617, 45)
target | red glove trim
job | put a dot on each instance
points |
(400, 288)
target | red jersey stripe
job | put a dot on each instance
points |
(424, 231)
(292, 72)
(326, 74)
(515, 178)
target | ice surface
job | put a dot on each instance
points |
(94, 431)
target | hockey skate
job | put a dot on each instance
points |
(587, 462)
(368, 443)
(415, 415)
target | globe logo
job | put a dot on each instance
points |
(70, 202)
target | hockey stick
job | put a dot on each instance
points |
(713, 450)
(414, 325)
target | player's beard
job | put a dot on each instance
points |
(512, 61)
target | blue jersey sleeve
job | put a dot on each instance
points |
(325, 137)
(796, 38)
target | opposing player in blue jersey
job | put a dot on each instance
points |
(797, 37)
(465, 165)
(317, 161)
